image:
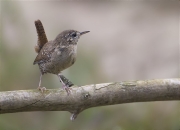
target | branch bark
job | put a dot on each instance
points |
(88, 96)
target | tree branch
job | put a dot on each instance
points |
(88, 96)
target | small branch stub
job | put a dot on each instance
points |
(87, 95)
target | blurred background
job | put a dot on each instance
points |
(127, 41)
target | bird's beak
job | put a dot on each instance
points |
(81, 33)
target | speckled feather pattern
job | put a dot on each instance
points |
(57, 55)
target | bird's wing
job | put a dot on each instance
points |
(45, 54)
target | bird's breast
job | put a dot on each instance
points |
(65, 57)
(73, 50)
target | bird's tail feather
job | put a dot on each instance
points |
(42, 39)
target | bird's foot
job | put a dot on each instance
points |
(42, 89)
(67, 88)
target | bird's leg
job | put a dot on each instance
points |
(42, 89)
(66, 81)
(65, 85)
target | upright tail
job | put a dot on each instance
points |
(42, 39)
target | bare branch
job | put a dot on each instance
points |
(88, 96)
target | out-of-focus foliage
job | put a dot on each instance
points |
(128, 41)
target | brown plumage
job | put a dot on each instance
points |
(42, 39)
(57, 55)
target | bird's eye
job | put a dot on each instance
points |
(74, 35)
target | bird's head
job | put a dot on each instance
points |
(70, 36)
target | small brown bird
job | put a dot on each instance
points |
(57, 55)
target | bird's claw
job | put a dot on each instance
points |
(42, 89)
(68, 90)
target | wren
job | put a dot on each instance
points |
(57, 55)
